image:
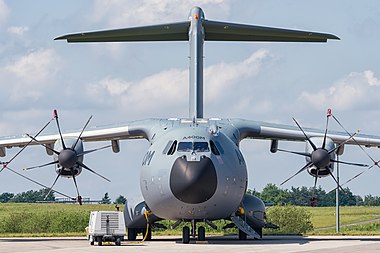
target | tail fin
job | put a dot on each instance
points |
(196, 30)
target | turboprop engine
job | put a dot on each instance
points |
(67, 159)
(252, 211)
(320, 158)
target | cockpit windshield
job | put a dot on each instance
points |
(193, 146)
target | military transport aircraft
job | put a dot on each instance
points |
(193, 170)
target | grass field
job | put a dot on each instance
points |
(18, 219)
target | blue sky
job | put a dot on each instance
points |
(120, 82)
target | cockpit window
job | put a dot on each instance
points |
(201, 147)
(193, 146)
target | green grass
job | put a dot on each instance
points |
(325, 216)
(23, 219)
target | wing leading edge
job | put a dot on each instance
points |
(133, 130)
(263, 130)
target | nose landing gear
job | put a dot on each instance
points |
(186, 233)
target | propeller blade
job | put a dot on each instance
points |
(349, 163)
(59, 128)
(307, 138)
(315, 183)
(31, 180)
(360, 146)
(40, 166)
(359, 174)
(295, 152)
(87, 168)
(336, 181)
(327, 126)
(22, 149)
(51, 188)
(351, 137)
(5, 165)
(298, 172)
(80, 135)
(46, 146)
(92, 150)
(79, 198)
(313, 199)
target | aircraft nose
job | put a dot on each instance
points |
(193, 182)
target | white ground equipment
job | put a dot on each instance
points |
(106, 226)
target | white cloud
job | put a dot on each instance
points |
(357, 89)
(371, 79)
(4, 12)
(18, 30)
(120, 13)
(221, 77)
(168, 90)
(28, 75)
(36, 66)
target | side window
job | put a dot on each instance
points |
(172, 148)
(166, 149)
(214, 149)
(220, 148)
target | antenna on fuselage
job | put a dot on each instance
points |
(197, 30)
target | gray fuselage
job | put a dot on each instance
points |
(193, 170)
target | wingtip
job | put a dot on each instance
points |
(333, 37)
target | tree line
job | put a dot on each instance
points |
(45, 194)
(303, 196)
(271, 195)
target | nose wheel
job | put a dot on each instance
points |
(186, 233)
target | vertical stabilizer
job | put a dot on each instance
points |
(196, 41)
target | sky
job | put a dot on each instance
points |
(122, 82)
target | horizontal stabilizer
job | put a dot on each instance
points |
(164, 32)
(222, 31)
(214, 31)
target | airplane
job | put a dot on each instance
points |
(194, 171)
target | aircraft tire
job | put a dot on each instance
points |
(185, 235)
(242, 235)
(201, 234)
(149, 236)
(132, 234)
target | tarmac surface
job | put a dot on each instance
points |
(223, 244)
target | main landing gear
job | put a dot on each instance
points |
(186, 233)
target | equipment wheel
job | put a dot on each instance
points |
(118, 242)
(201, 233)
(185, 235)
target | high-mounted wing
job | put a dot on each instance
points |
(270, 131)
(132, 130)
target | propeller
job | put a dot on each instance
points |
(320, 157)
(375, 163)
(5, 165)
(68, 158)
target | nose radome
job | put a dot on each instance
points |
(193, 182)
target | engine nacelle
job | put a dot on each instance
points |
(134, 214)
(69, 142)
(254, 212)
(329, 145)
